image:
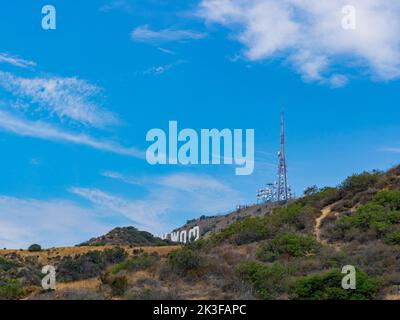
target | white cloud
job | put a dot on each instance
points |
(309, 35)
(391, 149)
(116, 4)
(58, 222)
(167, 51)
(145, 215)
(69, 98)
(47, 222)
(158, 69)
(16, 61)
(169, 197)
(145, 34)
(192, 183)
(41, 130)
(121, 177)
(162, 69)
(180, 181)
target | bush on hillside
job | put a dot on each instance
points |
(184, 261)
(119, 285)
(136, 263)
(245, 231)
(288, 244)
(295, 214)
(35, 248)
(88, 265)
(390, 199)
(393, 238)
(10, 289)
(266, 282)
(329, 287)
(321, 197)
(381, 215)
(360, 182)
(6, 265)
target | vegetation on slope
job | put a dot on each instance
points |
(126, 236)
(273, 256)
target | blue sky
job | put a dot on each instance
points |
(76, 104)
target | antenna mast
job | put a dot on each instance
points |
(283, 190)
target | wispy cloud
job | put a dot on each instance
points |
(145, 34)
(144, 215)
(308, 34)
(180, 181)
(16, 61)
(41, 130)
(167, 51)
(121, 177)
(192, 183)
(47, 222)
(391, 149)
(173, 197)
(117, 4)
(158, 69)
(162, 69)
(68, 98)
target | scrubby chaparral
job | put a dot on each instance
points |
(294, 250)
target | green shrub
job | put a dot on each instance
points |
(119, 284)
(295, 214)
(393, 238)
(35, 248)
(6, 264)
(266, 282)
(184, 260)
(245, 231)
(88, 265)
(329, 287)
(360, 182)
(264, 252)
(136, 263)
(289, 244)
(10, 289)
(389, 199)
(380, 215)
(320, 198)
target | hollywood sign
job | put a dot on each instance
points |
(183, 236)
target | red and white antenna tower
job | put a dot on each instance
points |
(283, 192)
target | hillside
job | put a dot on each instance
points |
(126, 236)
(291, 251)
(211, 224)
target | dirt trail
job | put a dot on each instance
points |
(318, 223)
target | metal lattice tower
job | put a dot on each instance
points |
(266, 195)
(283, 190)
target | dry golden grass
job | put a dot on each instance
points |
(45, 256)
(88, 284)
(392, 297)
